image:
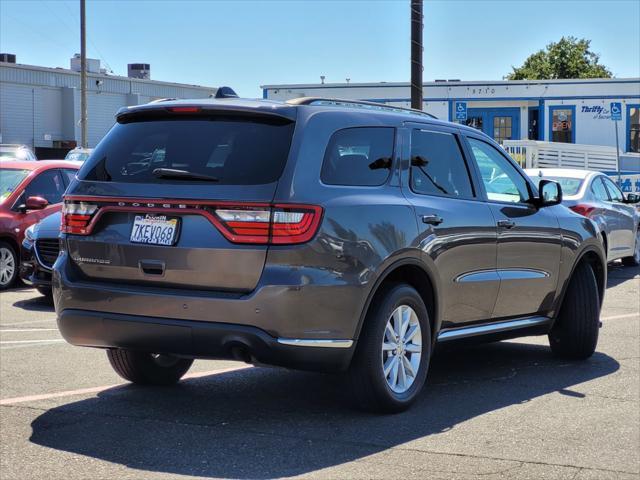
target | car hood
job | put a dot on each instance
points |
(48, 227)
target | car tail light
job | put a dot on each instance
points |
(278, 225)
(582, 209)
(76, 217)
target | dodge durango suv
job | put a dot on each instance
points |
(315, 234)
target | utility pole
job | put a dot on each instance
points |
(416, 54)
(83, 75)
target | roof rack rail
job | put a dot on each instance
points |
(158, 100)
(355, 103)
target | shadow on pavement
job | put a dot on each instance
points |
(617, 274)
(39, 303)
(265, 423)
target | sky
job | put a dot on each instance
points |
(245, 44)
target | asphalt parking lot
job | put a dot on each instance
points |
(499, 411)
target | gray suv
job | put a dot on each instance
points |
(316, 234)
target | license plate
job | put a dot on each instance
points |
(154, 230)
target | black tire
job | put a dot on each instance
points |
(634, 260)
(8, 256)
(146, 368)
(46, 292)
(366, 376)
(575, 332)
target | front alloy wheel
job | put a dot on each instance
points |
(8, 266)
(401, 349)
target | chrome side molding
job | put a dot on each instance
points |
(303, 342)
(475, 330)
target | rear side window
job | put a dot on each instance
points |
(437, 165)
(233, 150)
(359, 156)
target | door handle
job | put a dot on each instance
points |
(506, 223)
(432, 219)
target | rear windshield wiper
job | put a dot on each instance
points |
(182, 175)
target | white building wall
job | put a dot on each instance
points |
(39, 106)
(592, 128)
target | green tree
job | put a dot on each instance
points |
(568, 58)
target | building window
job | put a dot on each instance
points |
(562, 124)
(502, 129)
(633, 128)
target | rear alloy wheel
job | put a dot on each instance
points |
(575, 332)
(148, 368)
(8, 266)
(390, 364)
(634, 260)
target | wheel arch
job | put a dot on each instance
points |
(598, 264)
(414, 273)
(13, 243)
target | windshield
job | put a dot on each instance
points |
(570, 186)
(13, 153)
(77, 156)
(9, 179)
(233, 150)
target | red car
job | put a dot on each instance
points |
(29, 191)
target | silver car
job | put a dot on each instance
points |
(595, 196)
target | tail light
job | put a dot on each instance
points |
(583, 209)
(277, 225)
(76, 217)
(280, 224)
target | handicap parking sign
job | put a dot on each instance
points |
(461, 110)
(616, 111)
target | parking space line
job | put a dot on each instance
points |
(618, 317)
(18, 324)
(84, 391)
(9, 342)
(28, 330)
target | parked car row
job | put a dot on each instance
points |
(313, 234)
(29, 192)
(10, 152)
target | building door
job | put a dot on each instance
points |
(499, 123)
(534, 125)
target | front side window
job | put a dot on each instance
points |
(599, 190)
(437, 165)
(360, 156)
(614, 191)
(562, 125)
(501, 180)
(48, 185)
(634, 128)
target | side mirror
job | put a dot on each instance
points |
(36, 203)
(550, 193)
(632, 198)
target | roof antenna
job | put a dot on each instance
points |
(225, 92)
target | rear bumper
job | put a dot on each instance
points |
(197, 340)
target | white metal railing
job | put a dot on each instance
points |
(533, 154)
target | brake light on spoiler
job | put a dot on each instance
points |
(243, 222)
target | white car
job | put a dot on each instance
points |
(78, 154)
(10, 151)
(594, 195)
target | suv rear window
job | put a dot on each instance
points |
(359, 156)
(234, 150)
